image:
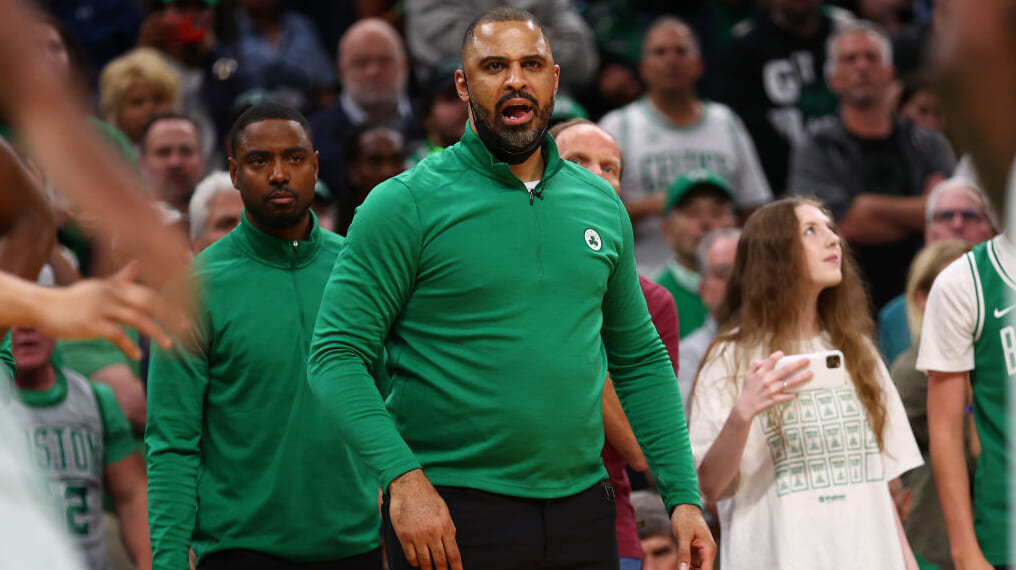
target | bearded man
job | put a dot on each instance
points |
(501, 281)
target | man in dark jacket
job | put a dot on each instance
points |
(872, 170)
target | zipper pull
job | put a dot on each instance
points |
(530, 190)
(296, 245)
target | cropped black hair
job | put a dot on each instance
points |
(264, 112)
(501, 14)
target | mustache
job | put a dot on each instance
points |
(517, 95)
(281, 192)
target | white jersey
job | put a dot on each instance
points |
(29, 536)
(813, 493)
(656, 152)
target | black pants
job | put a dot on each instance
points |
(497, 532)
(253, 560)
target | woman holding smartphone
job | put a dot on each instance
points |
(800, 473)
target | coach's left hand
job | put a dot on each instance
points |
(695, 546)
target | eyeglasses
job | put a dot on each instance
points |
(946, 216)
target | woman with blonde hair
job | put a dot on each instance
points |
(925, 528)
(135, 87)
(800, 475)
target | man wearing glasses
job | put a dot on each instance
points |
(956, 209)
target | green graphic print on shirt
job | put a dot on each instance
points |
(824, 442)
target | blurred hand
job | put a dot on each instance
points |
(95, 308)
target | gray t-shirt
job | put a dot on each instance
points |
(73, 430)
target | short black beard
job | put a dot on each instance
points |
(282, 221)
(510, 147)
(277, 221)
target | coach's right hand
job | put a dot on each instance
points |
(422, 523)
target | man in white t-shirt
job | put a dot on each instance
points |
(671, 131)
(969, 332)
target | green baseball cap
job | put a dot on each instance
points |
(691, 180)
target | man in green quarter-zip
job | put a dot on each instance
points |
(502, 283)
(243, 467)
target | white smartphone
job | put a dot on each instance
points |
(828, 370)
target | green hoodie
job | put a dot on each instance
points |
(500, 310)
(240, 455)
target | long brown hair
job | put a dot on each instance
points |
(763, 305)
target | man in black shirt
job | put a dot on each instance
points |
(772, 77)
(870, 169)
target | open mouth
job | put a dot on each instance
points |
(517, 112)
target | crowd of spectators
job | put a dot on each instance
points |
(717, 108)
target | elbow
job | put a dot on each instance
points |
(710, 492)
(713, 489)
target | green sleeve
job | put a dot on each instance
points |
(370, 282)
(644, 379)
(177, 383)
(89, 356)
(7, 356)
(117, 440)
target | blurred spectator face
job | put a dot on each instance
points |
(959, 214)
(447, 119)
(136, 86)
(382, 155)
(861, 77)
(660, 553)
(670, 58)
(224, 211)
(697, 214)
(719, 261)
(188, 22)
(923, 109)
(372, 64)
(31, 348)
(184, 30)
(140, 102)
(593, 149)
(275, 169)
(509, 78)
(171, 160)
